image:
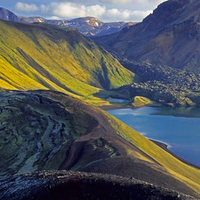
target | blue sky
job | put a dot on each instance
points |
(105, 10)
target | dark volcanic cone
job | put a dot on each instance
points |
(54, 185)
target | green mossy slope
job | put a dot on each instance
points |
(41, 56)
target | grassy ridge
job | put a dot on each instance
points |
(49, 57)
(139, 101)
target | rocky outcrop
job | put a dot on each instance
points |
(36, 131)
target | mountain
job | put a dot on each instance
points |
(10, 16)
(49, 130)
(163, 51)
(88, 26)
(7, 15)
(43, 56)
(169, 36)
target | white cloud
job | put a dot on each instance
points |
(24, 7)
(125, 15)
(77, 1)
(96, 10)
(136, 2)
(68, 10)
(54, 18)
(73, 10)
(117, 2)
(152, 3)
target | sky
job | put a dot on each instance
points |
(105, 10)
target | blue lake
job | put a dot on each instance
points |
(177, 127)
(116, 100)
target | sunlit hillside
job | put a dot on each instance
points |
(41, 56)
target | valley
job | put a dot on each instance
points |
(57, 85)
(162, 84)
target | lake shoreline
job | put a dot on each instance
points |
(161, 144)
(119, 106)
(164, 146)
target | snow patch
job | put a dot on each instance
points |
(40, 20)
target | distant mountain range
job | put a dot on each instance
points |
(88, 26)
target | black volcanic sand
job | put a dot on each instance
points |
(60, 185)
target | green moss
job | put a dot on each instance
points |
(140, 101)
(99, 143)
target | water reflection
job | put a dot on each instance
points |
(178, 127)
